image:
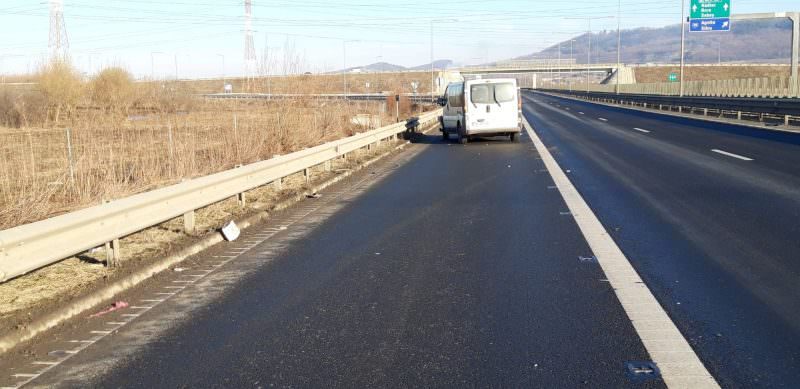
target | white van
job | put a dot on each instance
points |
(487, 107)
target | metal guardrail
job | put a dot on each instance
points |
(420, 98)
(35, 245)
(786, 108)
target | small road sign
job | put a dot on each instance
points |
(707, 25)
(710, 9)
(673, 77)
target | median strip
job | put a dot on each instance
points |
(679, 364)
(732, 155)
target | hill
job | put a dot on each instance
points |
(749, 41)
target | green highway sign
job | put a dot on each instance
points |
(673, 77)
(710, 9)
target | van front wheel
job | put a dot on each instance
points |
(512, 136)
(463, 139)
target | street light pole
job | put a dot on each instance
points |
(619, 43)
(683, 42)
(223, 67)
(432, 74)
(152, 64)
(344, 68)
(588, 56)
(433, 78)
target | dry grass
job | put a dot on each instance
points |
(322, 83)
(706, 73)
(63, 151)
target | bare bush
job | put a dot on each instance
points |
(62, 86)
(113, 89)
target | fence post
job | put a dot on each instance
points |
(70, 158)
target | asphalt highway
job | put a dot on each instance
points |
(460, 268)
(708, 215)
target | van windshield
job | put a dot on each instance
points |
(492, 93)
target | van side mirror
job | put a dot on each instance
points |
(442, 101)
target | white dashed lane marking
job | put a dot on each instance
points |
(732, 155)
(641, 130)
(602, 119)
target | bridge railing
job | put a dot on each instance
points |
(776, 87)
(35, 245)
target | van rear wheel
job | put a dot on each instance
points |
(512, 136)
(463, 139)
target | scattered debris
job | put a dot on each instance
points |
(314, 195)
(282, 228)
(178, 269)
(230, 232)
(639, 371)
(115, 306)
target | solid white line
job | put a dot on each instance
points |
(743, 158)
(602, 119)
(100, 332)
(641, 130)
(642, 308)
(45, 363)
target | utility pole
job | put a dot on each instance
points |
(683, 42)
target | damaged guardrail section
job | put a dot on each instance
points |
(29, 247)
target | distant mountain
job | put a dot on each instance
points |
(388, 67)
(438, 64)
(756, 41)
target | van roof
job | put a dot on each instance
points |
(492, 81)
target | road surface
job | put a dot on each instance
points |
(452, 265)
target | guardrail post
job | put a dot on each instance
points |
(242, 198)
(307, 174)
(278, 184)
(188, 222)
(739, 115)
(785, 120)
(705, 111)
(327, 165)
(112, 253)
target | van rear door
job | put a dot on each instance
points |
(492, 106)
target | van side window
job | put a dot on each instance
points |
(454, 96)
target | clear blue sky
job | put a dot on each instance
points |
(127, 32)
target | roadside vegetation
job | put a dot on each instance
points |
(70, 142)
